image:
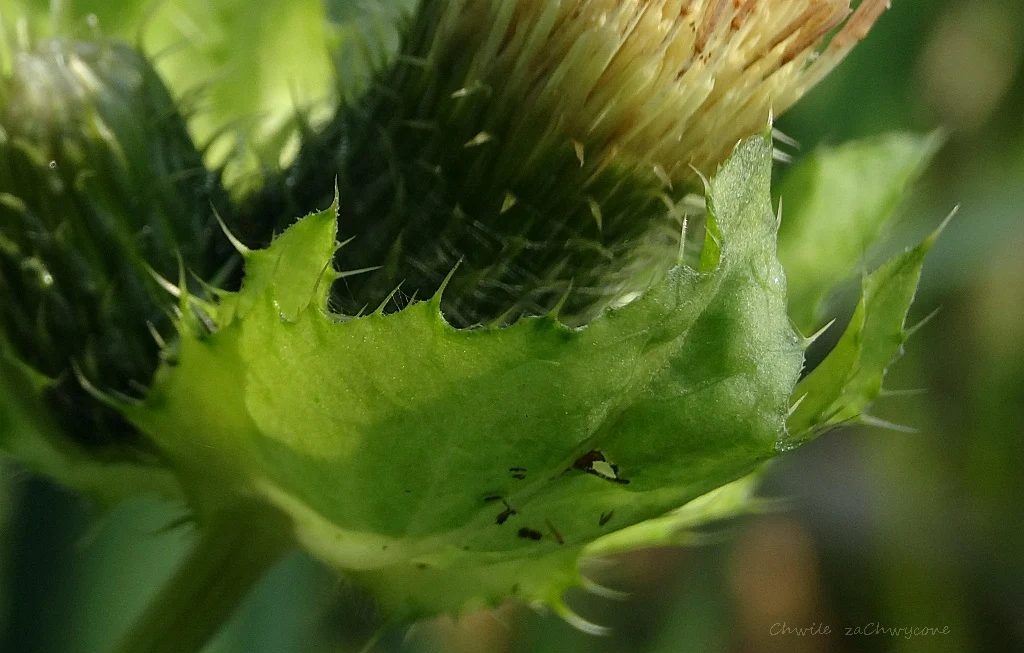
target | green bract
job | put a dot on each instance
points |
(420, 456)
(446, 469)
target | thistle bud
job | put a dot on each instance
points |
(544, 148)
(100, 186)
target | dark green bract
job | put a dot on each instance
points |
(100, 187)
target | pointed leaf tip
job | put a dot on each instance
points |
(238, 245)
(295, 265)
(436, 299)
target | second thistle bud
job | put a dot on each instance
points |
(100, 187)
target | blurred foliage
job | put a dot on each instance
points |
(241, 70)
(852, 189)
(882, 527)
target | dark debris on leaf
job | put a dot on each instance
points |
(505, 514)
(554, 532)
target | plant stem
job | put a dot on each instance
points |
(233, 552)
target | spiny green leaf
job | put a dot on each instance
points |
(850, 378)
(448, 468)
(835, 206)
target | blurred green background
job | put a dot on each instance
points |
(922, 529)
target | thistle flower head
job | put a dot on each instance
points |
(545, 147)
(672, 82)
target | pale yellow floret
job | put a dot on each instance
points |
(672, 83)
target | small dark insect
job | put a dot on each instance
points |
(519, 476)
(605, 518)
(517, 469)
(505, 514)
(422, 565)
(530, 534)
(554, 532)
